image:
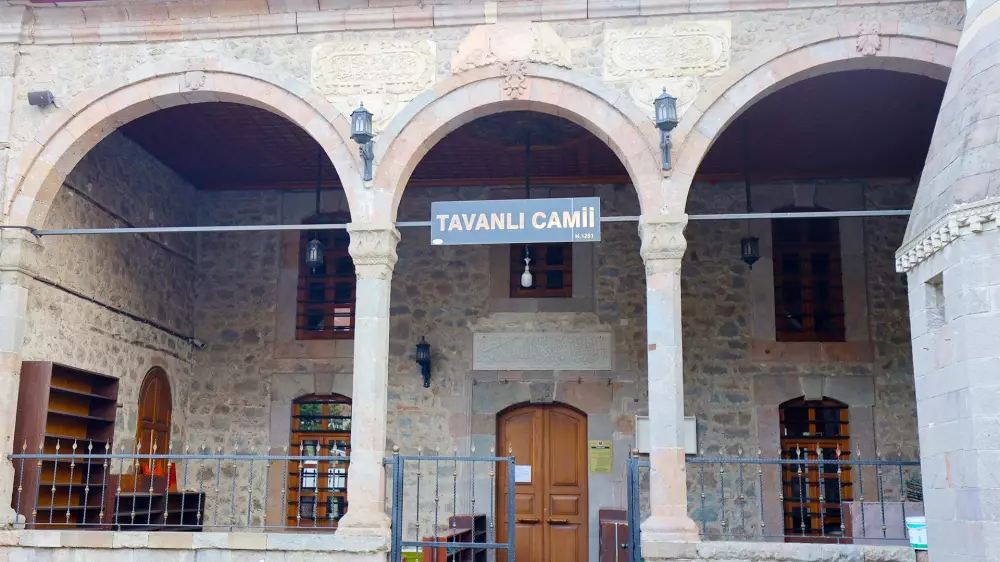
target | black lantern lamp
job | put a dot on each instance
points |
(666, 120)
(314, 253)
(314, 249)
(361, 132)
(423, 358)
(750, 250)
(749, 245)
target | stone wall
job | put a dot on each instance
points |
(245, 382)
(71, 69)
(151, 277)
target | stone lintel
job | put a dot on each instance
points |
(542, 351)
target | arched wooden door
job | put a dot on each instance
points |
(549, 443)
(153, 425)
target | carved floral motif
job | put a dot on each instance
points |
(508, 42)
(663, 245)
(696, 48)
(542, 351)
(194, 80)
(515, 81)
(383, 74)
(869, 42)
(373, 251)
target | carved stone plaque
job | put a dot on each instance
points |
(695, 48)
(382, 74)
(507, 42)
(542, 351)
(649, 59)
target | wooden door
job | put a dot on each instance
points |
(153, 425)
(549, 444)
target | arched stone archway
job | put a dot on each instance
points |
(76, 128)
(605, 112)
(888, 45)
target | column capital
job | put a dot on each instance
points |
(373, 248)
(19, 251)
(663, 242)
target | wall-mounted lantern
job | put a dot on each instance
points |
(423, 358)
(361, 132)
(666, 119)
(750, 250)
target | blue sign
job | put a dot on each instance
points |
(516, 221)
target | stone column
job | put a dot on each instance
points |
(17, 249)
(951, 255)
(669, 531)
(373, 248)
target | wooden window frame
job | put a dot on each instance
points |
(311, 480)
(335, 249)
(807, 280)
(808, 514)
(540, 268)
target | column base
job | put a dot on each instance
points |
(669, 538)
(367, 524)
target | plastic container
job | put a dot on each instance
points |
(916, 528)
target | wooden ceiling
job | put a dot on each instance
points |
(850, 124)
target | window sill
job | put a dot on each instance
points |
(811, 352)
(314, 349)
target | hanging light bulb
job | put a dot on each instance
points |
(526, 278)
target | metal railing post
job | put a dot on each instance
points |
(511, 485)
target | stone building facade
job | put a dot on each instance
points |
(122, 305)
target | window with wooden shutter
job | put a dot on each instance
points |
(317, 488)
(813, 494)
(551, 270)
(808, 281)
(326, 293)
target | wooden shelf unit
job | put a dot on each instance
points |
(461, 529)
(58, 405)
(184, 509)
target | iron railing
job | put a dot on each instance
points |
(449, 506)
(830, 500)
(90, 486)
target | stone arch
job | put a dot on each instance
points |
(888, 45)
(605, 112)
(71, 131)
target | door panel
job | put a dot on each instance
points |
(551, 508)
(153, 423)
(566, 485)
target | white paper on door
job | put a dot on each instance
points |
(522, 473)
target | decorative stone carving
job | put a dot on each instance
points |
(671, 56)
(515, 81)
(663, 245)
(507, 42)
(541, 351)
(194, 80)
(373, 250)
(385, 75)
(962, 221)
(695, 48)
(869, 42)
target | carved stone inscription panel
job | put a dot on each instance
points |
(542, 351)
(383, 74)
(667, 56)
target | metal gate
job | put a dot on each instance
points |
(438, 486)
(634, 543)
